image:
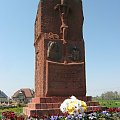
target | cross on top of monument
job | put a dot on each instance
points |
(63, 9)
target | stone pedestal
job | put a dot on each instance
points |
(51, 105)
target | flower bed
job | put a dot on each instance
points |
(98, 114)
(108, 114)
(9, 115)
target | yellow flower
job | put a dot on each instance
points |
(83, 105)
(71, 108)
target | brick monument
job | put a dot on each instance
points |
(59, 56)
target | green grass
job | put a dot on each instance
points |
(17, 110)
(109, 103)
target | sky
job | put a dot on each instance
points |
(101, 31)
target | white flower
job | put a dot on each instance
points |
(73, 97)
(73, 106)
(63, 108)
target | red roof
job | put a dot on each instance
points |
(26, 91)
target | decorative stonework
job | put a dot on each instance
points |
(74, 53)
(50, 35)
(53, 51)
(63, 9)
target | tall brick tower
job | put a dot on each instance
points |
(59, 55)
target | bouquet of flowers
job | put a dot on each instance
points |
(73, 106)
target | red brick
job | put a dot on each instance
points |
(55, 105)
(38, 100)
(49, 105)
(57, 111)
(43, 106)
(55, 99)
(48, 99)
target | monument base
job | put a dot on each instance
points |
(51, 105)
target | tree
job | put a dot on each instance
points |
(109, 95)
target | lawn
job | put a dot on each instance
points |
(109, 103)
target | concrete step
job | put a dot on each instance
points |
(57, 99)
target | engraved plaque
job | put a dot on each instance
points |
(65, 79)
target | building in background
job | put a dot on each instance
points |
(3, 97)
(23, 95)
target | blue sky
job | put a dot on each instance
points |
(102, 44)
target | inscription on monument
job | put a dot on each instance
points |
(65, 77)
